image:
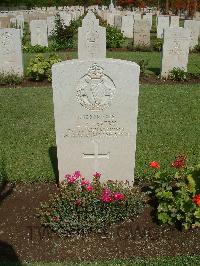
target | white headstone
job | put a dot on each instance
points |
(127, 26)
(50, 25)
(38, 30)
(95, 110)
(162, 24)
(91, 38)
(193, 26)
(110, 19)
(148, 17)
(11, 51)
(141, 33)
(175, 50)
(118, 21)
(174, 21)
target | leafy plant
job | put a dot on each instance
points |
(177, 196)
(64, 36)
(37, 49)
(143, 65)
(157, 45)
(114, 38)
(178, 74)
(82, 206)
(10, 78)
(39, 67)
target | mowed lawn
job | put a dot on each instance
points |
(168, 124)
(153, 58)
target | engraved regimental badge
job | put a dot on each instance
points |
(95, 90)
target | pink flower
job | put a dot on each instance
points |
(77, 174)
(106, 195)
(78, 202)
(71, 178)
(97, 175)
(89, 188)
(56, 219)
(85, 183)
(118, 196)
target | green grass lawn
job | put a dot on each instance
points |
(153, 57)
(168, 124)
(178, 261)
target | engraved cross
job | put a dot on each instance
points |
(96, 155)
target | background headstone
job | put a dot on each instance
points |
(141, 33)
(175, 50)
(162, 24)
(193, 27)
(38, 30)
(91, 38)
(11, 51)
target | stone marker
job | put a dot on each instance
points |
(50, 25)
(4, 22)
(174, 21)
(193, 26)
(95, 110)
(162, 24)
(11, 51)
(127, 26)
(141, 33)
(91, 38)
(118, 21)
(110, 19)
(137, 17)
(175, 50)
(148, 17)
(38, 30)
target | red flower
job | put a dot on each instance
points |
(196, 199)
(155, 165)
(106, 195)
(179, 162)
(97, 175)
(118, 196)
(89, 188)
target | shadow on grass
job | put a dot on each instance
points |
(54, 162)
(7, 253)
(155, 70)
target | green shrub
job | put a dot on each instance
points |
(114, 38)
(139, 48)
(196, 49)
(157, 45)
(178, 74)
(39, 67)
(177, 196)
(64, 36)
(10, 78)
(143, 65)
(36, 49)
(82, 206)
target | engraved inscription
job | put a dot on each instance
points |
(95, 90)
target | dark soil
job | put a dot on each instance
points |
(22, 238)
(150, 79)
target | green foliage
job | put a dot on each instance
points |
(37, 49)
(196, 49)
(10, 78)
(178, 74)
(143, 65)
(79, 207)
(157, 45)
(64, 36)
(114, 38)
(177, 196)
(39, 67)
